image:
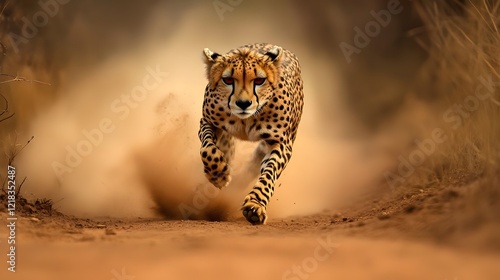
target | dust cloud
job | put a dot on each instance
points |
(121, 140)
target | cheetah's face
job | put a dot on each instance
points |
(243, 80)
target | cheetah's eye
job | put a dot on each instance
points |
(259, 81)
(228, 81)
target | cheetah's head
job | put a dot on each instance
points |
(243, 79)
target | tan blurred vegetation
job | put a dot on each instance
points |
(464, 47)
(464, 63)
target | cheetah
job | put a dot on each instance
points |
(254, 93)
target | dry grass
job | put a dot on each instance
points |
(463, 42)
(464, 48)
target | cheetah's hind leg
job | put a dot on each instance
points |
(225, 143)
(259, 155)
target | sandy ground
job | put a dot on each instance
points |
(379, 238)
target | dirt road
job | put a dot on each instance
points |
(377, 239)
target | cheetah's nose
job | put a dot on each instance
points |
(243, 104)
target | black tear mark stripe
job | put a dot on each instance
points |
(232, 90)
(255, 93)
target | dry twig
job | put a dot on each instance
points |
(17, 78)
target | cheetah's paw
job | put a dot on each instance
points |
(216, 169)
(254, 212)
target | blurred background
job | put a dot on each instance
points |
(398, 94)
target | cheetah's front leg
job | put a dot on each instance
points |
(215, 161)
(254, 206)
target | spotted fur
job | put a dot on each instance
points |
(254, 93)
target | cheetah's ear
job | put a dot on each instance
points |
(210, 56)
(274, 53)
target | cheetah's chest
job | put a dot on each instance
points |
(244, 129)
